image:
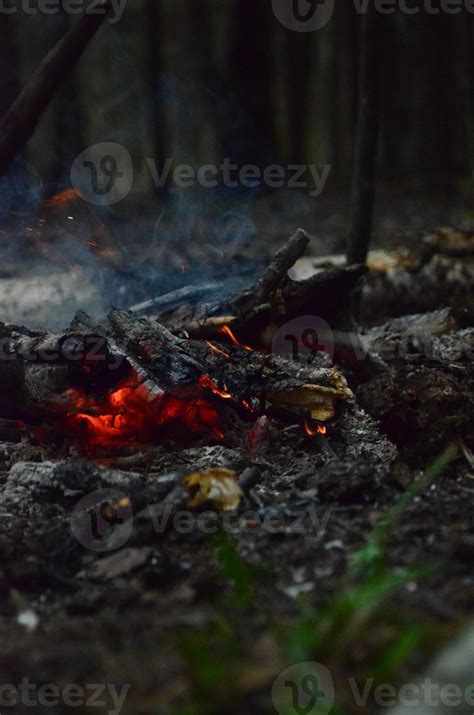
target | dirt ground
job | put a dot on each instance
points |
(198, 619)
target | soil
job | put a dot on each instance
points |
(189, 618)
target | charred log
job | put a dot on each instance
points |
(257, 313)
(421, 406)
(418, 283)
(239, 374)
(37, 369)
(402, 337)
(426, 397)
(155, 376)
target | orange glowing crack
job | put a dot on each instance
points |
(217, 350)
(225, 330)
(207, 382)
(313, 431)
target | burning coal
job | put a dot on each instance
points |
(131, 415)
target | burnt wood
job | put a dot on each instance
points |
(240, 374)
(256, 313)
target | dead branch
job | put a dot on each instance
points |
(19, 123)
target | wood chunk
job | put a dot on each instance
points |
(392, 339)
(277, 271)
(275, 298)
(53, 348)
(244, 375)
(423, 405)
(37, 369)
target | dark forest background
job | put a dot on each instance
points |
(200, 80)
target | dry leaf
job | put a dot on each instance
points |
(218, 486)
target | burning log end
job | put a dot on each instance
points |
(315, 400)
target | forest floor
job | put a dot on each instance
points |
(354, 551)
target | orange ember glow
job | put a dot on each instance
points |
(64, 197)
(225, 330)
(132, 415)
(217, 350)
(312, 431)
(209, 384)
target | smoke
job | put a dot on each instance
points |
(61, 253)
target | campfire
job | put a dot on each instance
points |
(210, 372)
(235, 465)
(137, 381)
(193, 368)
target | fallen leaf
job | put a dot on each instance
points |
(218, 486)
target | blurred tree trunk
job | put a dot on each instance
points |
(469, 29)
(437, 125)
(393, 116)
(68, 138)
(154, 59)
(28, 127)
(252, 134)
(465, 36)
(207, 81)
(10, 82)
(342, 83)
(298, 75)
(347, 61)
(366, 140)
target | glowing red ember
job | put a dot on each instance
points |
(225, 330)
(132, 414)
(313, 431)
